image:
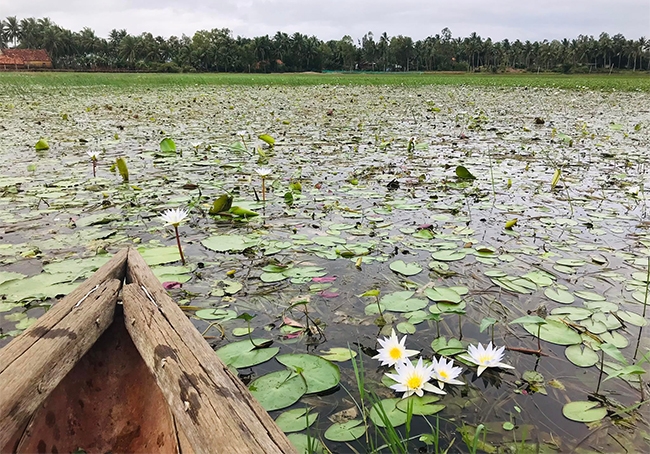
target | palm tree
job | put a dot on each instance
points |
(12, 29)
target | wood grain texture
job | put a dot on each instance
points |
(212, 407)
(33, 369)
(115, 268)
(109, 402)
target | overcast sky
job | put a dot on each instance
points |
(332, 19)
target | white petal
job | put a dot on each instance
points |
(433, 389)
(504, 366)
(480, 370)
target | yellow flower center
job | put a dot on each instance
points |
(395, 353)
(443, 374)
(414, 382)
(484, 358)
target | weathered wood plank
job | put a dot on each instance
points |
(211, 406)
(27, 379)
(115, 268)
(109, 402)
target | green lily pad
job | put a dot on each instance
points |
(632, 318)
(559, 295)
(345, 431)
(449, 256)
(319, 374)
(159, 255)
(338, 354)
(589, 296)
(442, 294)
(581, 356)
(305, 444)
(42, 145)
(402, 302)
(6, 276)
(229, 243)
(278, 389)
(584, 411)
(447, 348)
(406, 269)
(243, 354)
(423, 406)
(296, 420)
(388, 409)
(216, 314)
(554, 332)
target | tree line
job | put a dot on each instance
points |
(218, 50)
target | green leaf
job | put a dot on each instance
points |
(449, 255)
(486, 323)
(423, 406)
(243, 354)
(583, 411)
(296, 420)
(278, 389)
(305, 444)
(581, 356)
(559, 295)
(243, 212)
(554, 332)
(319, 374)
(345, 431)
(167, 145)
(464, 174)
(528, 319)
(402, 302)
(406, 269)
(447, 348)
(443, 294)
(268, 139)
(159, 255)
(216, 314)
(387, 409)
(42, 145)
(338, 354)
(222, 204)
(614, 352)
(122, 168)
(508, 425)
(228, 243)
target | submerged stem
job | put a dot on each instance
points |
(263, 189)
(178, 242)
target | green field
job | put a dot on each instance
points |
(618, 82)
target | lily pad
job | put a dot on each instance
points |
(584, 411)
(345, 431)
(296, 420)
(554, 332)
(387, 410)
(229, 243)
(319, 374)
(245, 354)
(581, 356)
(559, 295)
(402, 302)
(305, 444)
(159, 255)
(442, 294)
(338, 354)
(423, 406)
(278, 389)
(406, 269)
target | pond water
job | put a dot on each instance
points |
(465, 208)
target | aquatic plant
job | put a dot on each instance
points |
(485, 357)
(393, 350)
(413, 379)
(263, 173)
(174, 217)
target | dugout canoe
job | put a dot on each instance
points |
(116, 366)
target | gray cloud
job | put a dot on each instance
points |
(331, 19)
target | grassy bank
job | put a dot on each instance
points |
(621, 82)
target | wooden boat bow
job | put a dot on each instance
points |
(96, 375)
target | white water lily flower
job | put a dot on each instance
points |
(92, 155)
(263, 172)
(393, 350)
(413, 379)
(489, 356)
(445, 372)
(174, 216)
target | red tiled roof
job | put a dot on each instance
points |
(26, 55)
(5, 60)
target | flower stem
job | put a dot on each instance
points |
(94, 168)
(263, 189)
(178, 242)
